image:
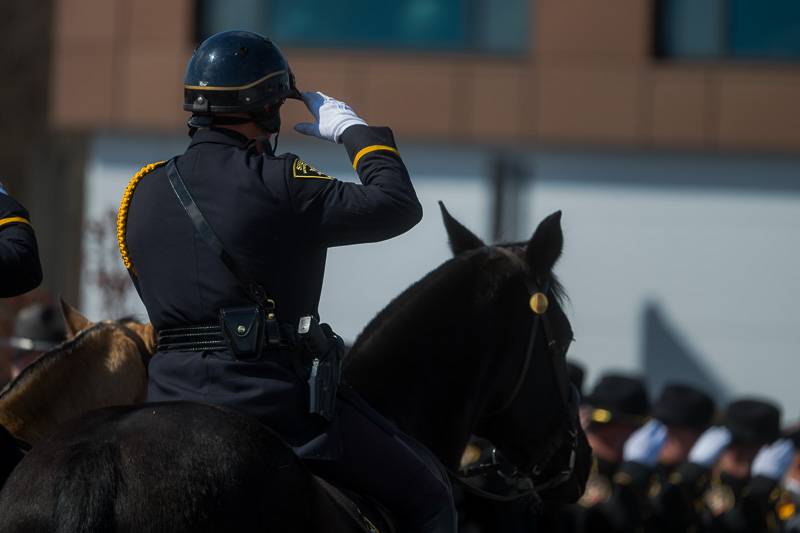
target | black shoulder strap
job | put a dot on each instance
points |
(206, 232)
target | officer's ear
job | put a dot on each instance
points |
(461, 239)
(73, 319)
(545, 246)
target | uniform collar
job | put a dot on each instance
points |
(219, 136)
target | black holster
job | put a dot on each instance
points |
(326, 350)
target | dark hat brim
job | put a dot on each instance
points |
(748, 436)
(599, 415)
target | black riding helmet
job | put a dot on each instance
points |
(237, 72)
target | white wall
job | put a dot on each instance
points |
(710, 240)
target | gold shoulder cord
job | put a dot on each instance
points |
(122, 215)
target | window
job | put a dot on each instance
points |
(737, 29)
(461, 25)
(767, 29)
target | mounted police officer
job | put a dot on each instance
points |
(20, 270)
(226, 245)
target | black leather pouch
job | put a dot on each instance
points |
(244, 329)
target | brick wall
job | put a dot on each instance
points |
(590, 79)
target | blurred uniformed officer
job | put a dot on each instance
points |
(789, 507)
(276, 216)
(752, 423)
(20, 270)
(680, 415)
(686, 412)
(615, 408)
(729, 480)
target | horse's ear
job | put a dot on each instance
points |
(461, 239)
(73, 319)
(148, 334)
(545, 246)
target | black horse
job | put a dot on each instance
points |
(472, 348)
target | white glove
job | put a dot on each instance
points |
(709, 446)
(773, 460)
(644, 445)
(332, 117)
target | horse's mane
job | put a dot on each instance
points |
(433, 286)
(440, 284)
(556, 288)
(54, 356)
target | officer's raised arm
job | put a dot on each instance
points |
(383, 206)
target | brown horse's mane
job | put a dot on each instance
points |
(89, 371)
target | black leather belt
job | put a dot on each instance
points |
(207, 337)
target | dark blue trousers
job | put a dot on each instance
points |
(359, 450)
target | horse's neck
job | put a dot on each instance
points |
(425, 369)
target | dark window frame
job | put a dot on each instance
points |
(725, 54)
(472, 31)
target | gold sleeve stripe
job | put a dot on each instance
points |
(122, 215)
(12, 220)
(375, 147)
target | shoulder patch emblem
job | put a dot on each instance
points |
(301, 170)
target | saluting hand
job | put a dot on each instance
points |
(331, 117)
(645, 444)
(773, 460)
(709, 446)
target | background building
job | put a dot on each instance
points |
(668, 132)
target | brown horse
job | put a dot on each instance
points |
(101, 364)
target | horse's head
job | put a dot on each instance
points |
(530, 413)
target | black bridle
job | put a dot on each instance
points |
(526, 481)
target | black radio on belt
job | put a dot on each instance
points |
(326, 349)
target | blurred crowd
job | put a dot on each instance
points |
(680, 463)
(29, 326)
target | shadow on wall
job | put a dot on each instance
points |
(667, 357)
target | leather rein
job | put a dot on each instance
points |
(525, 481)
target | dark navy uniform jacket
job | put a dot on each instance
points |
(276, 216)
(20, 270)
